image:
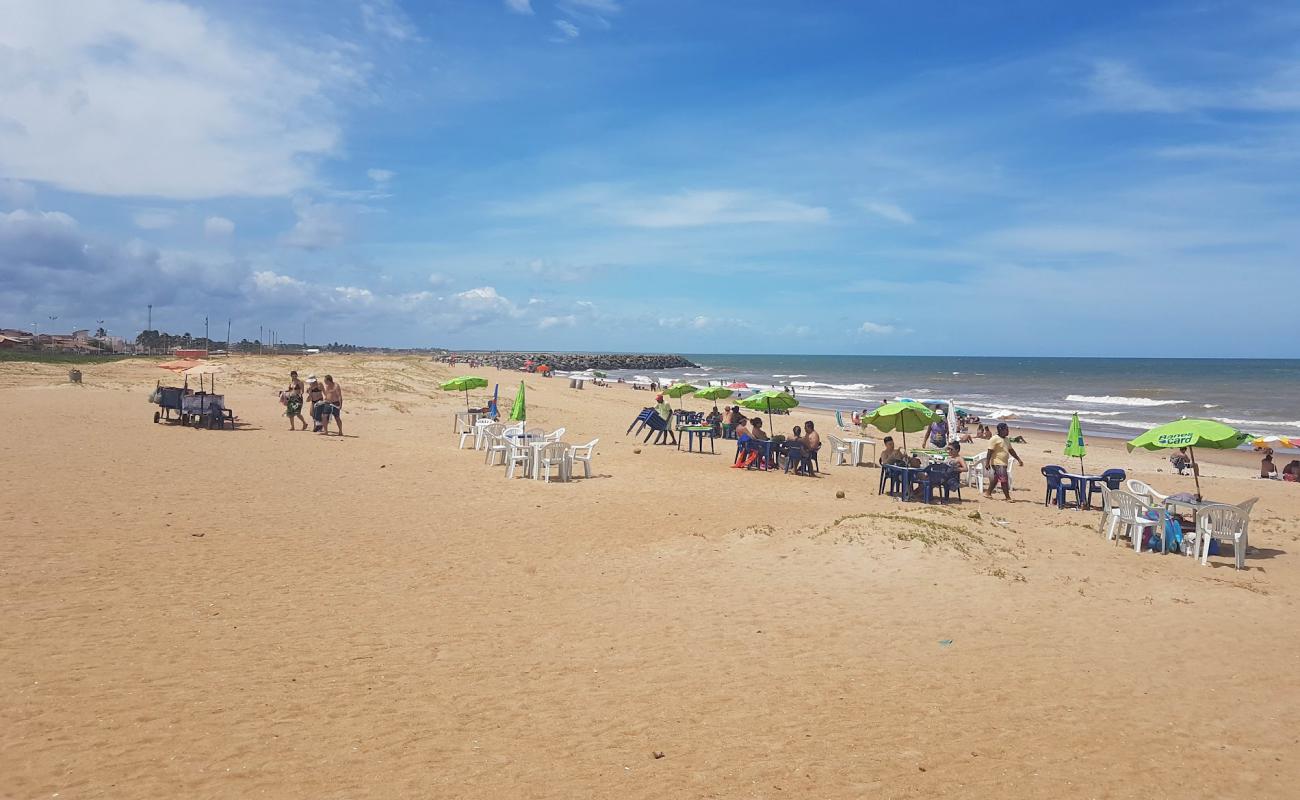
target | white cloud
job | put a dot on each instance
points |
(568, 31)
(520, 6)
(268, 281)
(319, 225)
(485, 301)
(876, 328)
(217, 227)
(437, 280)
(686, 209)
(386, 18)
(889, 211)
(380, 175)
(595, 6)
(16, 194)
(153, 219)
(1117, 86)
(567, 321)
(149, 97)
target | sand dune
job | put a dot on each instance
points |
(265, 613)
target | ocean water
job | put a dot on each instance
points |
(1114, 396)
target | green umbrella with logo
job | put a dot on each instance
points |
(1074, 441)
(768, 400)
(678, 391)
(906, 416)
(464, 384)
(713, 393)
(1191, 433)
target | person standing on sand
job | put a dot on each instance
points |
(333, 406)
(314, 395)
(998, 459)
(293, 401)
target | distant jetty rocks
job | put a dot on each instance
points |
(568, 362)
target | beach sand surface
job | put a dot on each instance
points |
(259, 613)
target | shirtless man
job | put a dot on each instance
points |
(293, 403)
(333, 406)
(812, 440)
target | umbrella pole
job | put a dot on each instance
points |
(1196, 472)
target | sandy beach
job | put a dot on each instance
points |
(263, 613)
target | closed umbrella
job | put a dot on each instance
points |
(1191, 433)
(768, 400)
(464, 384)
(678, 391)
(1074, 442)
(519, 411)
(906, 416)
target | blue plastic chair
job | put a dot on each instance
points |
(1114, 478)
(942, 478)
(1056, 485)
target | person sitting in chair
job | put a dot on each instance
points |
(1181, 461)
(891, 455)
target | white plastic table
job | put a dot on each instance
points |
(857, 446)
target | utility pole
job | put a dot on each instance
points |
(149, 326)
(206, 341)
(304, 336)
(227, 335)
(260, 347)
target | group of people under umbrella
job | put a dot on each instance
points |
(910, 416)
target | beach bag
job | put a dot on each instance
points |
(155, 396)
(1173, 535)
(1153, 541)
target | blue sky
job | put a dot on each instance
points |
(1017, 178)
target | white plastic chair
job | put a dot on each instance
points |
(582, 454)
(555, 435)
(467, 431)
(841, 451)
(496, 443)
(555, 454)
(1130, 517)
(977, 471)
(519, 455)
(1225, 523)
(1144, 490)
(480, 432)
(1109, 511)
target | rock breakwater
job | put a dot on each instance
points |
(570, 362)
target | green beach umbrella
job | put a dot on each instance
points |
(906, 416)
(599, 374)
(1191, 433)
(678, 391)
(519, 411)
(464, 384)
(713, 393)
(1074, 441)
(768, 400)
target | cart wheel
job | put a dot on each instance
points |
(156, 416)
